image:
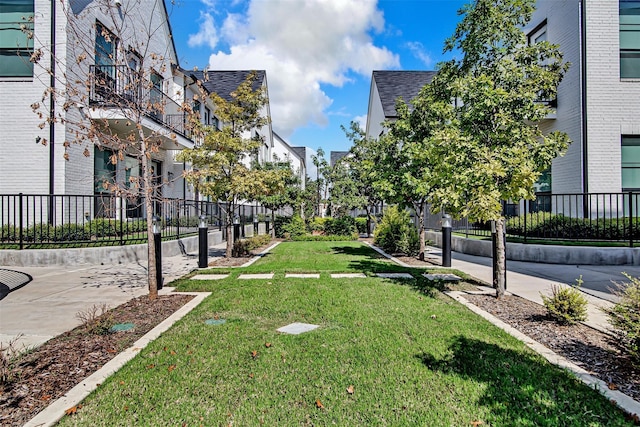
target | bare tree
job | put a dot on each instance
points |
(115, 85)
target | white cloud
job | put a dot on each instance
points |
(207, 33)
(362, 121)
(418, 50)
(303, 45)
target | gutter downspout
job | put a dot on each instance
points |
(583, 95)
(52, 103)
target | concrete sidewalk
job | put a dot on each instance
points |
(530, 280)
(47, 306)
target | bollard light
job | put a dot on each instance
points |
(446, 240)
(157, 227)
(203, 242)
(157, 241)
(447, 221)
(236, 220)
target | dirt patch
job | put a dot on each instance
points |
(43, 375)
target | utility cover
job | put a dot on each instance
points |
(121, 327)
(297, 328)
(215, 321)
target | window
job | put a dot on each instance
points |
(16, 38)
(629, 39)
(207, 116)
(106, 44)
(539, 34)
(630, 163)
(104, 171)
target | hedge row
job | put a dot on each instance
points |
(563, 227)
(72, 232)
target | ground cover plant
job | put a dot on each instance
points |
(387, 352)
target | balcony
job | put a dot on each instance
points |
(121, 90)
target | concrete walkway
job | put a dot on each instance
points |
(529, 280)
(47, 306)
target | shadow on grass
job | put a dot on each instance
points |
(520, 388)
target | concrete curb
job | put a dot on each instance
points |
(260, 255)
(386, 255)
(624, 402)
(56, 410)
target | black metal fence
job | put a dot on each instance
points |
(588, 217)
(40, 221)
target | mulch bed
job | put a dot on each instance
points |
(41, 376)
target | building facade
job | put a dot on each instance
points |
(598, 102)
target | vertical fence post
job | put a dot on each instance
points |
(630, 219)
(526, 212)
(122, 220)
(20, 221)
(178, 219)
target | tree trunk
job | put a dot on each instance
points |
(368, 221)
(500, 263)
(230, 227)
(423, 243)
(148, 204)
(273, 224)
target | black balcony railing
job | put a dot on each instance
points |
(119, 86)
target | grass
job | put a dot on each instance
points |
(388, 352)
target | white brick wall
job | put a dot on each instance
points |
(613, 106)
(24, 164)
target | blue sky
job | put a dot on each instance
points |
(318, 54)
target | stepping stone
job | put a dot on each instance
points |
(394, 275)
(297, 328)
(348, 275)
(209, 276)
(446, 277)
(256, 276)
(302, 276)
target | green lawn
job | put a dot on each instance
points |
(410, 356)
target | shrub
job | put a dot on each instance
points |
(341, 226)
(243, 247)
(566, 303)
(361, 224)
(102, 227)
(317, 223)
(324, 238)
(96, 319)
(624, 316)
(396, 234)
(293, 228)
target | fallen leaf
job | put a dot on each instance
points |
(612, 386)
(216, 317)
(121, 382)
(173, 353)
(250, 375)
(267, 344)
(151, 366)
(254, 354)
(171, 368)
(319, 404)
(112, 350)
(350, 389)
(72, 410)
(476, 423)
(46, 397)
(125, 408)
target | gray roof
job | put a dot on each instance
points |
(225, 82)
(404, 84)
(301, 152)
(337, 155)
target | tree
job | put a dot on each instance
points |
(220, 163)
(104, 88)
(321, 183)
(495, 150)
(284, 188)
(363, 164)
(345, 192)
